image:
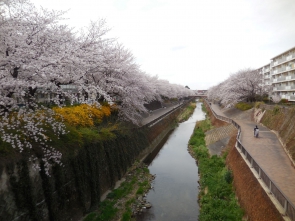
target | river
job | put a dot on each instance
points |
(174, 196)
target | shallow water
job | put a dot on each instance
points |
(175, 193)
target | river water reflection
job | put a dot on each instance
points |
(175, 192)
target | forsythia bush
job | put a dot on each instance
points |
(83, 115)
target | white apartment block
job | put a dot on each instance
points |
(280, 74)
(265, 72)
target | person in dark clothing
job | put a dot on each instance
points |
(256, 131)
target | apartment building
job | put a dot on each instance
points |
(265, 72)
(282, 71)
(279, 74)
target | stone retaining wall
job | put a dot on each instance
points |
(76, 188)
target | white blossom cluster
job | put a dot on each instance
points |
(37, 52)
(26, 127)
(244, 85)
(276, 99)
(40, 56)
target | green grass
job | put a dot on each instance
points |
(140, 190)
(123, 190)
(243, 106)
(127, 215)
(188, 111)
(90, 217)
(217, 198)
(108, 210)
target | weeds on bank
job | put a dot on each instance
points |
(204, 109)
(243, 106)
(216, 197)
(185, 115)
(118, 203)
(258, 104)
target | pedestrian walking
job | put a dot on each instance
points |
(256, 131)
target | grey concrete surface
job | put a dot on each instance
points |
(157, 113)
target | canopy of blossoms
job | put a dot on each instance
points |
(40, 55)
(244, 85)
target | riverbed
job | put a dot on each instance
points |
(174, 195)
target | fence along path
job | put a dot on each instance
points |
(267, 157)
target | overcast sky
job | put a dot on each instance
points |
(198, 43)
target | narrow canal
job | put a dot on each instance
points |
(175, 193)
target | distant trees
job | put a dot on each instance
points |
(38, 54)
(244, 85)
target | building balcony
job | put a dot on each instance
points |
(284, 88)
(290, 57)
(279, 79)
(288, 97)
(284, 69)
(284, 60)
(290, 77)
(283, 78)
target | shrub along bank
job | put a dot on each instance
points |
(243, 106)
(217, 198)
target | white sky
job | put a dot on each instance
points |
(198, 43)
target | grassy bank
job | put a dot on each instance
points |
(217, 198)
(244, 106)
(127, 200)
(188, 111)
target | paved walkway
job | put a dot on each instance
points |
(266, 150)
(157, 113)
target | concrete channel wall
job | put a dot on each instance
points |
(88, 172)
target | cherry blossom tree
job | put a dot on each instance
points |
(276, 99)
(244, 85)
(39, 54)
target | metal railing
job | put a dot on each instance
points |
(153, 122)
(289, 208)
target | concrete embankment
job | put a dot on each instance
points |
(76, 188)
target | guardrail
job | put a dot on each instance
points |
(289, 208)
(150, 124)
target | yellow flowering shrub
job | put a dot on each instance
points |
(83, 115)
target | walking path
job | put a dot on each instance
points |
(158, 113)
(266, 150)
